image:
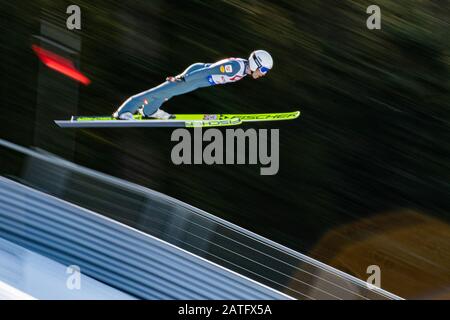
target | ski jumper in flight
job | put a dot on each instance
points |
(197, 75)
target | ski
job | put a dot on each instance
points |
(106, 122)
(243, 116)
(180, 120)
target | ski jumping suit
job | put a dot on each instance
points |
(196, 76)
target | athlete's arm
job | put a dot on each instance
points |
(227, 67)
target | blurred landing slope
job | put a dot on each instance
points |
(11, 293)
(105, 250)
(165, 218)
(38, 276)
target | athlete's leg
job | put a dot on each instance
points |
(196, 76)
(131, 105)
(152, 106)
(167, 90)
(153, 98)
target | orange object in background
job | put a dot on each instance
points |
(60, 64)
(411, 248)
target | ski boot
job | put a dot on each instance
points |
(159, 114)
(123, 116)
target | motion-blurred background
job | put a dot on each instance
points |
(364, 173)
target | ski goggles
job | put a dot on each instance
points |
(264, 70)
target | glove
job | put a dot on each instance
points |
(176, 78)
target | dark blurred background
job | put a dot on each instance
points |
(363, 172)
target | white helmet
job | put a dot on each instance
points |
(260, 59)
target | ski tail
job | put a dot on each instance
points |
(103, 122)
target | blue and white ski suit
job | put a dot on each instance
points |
(196, 76)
